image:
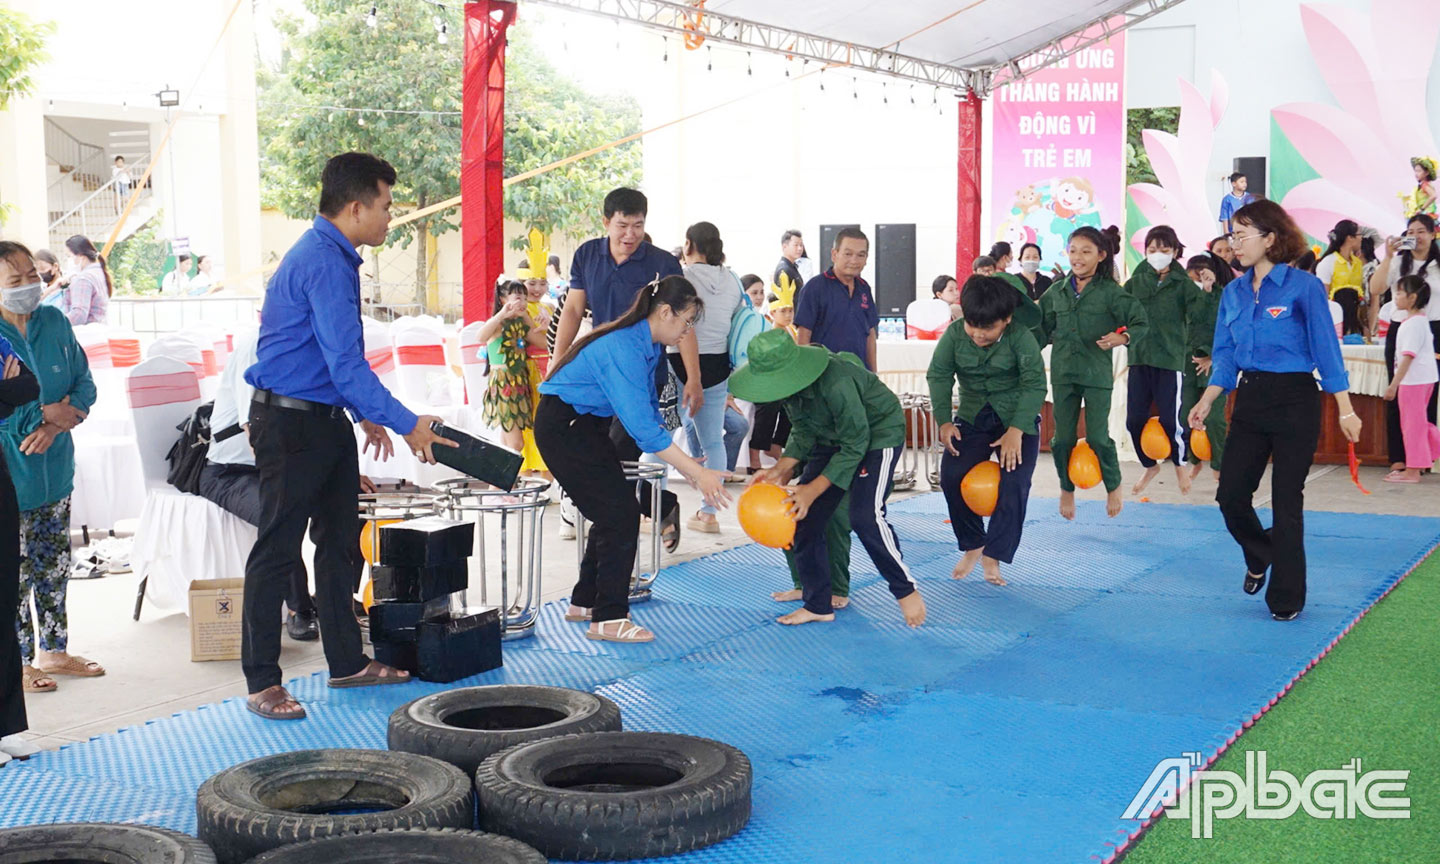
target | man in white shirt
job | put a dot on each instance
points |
(231, 480)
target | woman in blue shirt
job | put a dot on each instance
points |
(611, 373)
(1272, 334)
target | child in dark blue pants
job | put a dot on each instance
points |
(1001, 377)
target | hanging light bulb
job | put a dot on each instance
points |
(666, 58)
(362, 118)
(441, 37)
(709, 67)
(372, 20)
(884, 93)
(748, 69)
(822, 79)
(853, 90)
(912, 94)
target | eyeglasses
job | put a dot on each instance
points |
(1241, 238)
(690, 323)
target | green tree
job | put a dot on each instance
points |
(22, 48)
(138, 261)
(335, 63)
(1137, 120)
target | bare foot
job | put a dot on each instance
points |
(1196, 469)
(1150, 474)
(913, 608)
(1217, 476)
(787, 596)
(966, 563)
(1113, 503)
(839, 602)
(1067, 504)
(1183, 478)
(991, 568)
(803, 616)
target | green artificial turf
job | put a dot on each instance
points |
(1376, 695)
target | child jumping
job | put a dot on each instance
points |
(832, 402)
(997, 364)
(1415, 378)
(1211, 274)
(1086, 314)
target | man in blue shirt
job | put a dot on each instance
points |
(605, 276)
(837, 308)
(1237, 198)
(310, 371)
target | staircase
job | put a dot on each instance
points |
(83, 196)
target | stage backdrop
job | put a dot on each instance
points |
(1058, 151)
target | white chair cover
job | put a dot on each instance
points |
(180, 537)
(424, 375)
(927, 319)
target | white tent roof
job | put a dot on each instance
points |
(972, 44)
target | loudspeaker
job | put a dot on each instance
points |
(827, 242)
(1253, 167)
(894, 268)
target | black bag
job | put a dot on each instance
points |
(187, 455)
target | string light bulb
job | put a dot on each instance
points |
(666, 58)
(749, 70)
(441, 37)
(373, 19)
(709, 66)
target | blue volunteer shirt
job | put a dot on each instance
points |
(836, 318)
(311, 343)
(610, 288)
(1286, 327)
(604, 380)
(1232, 202)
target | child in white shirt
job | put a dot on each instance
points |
(1416, 374)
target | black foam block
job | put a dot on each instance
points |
(391, 621)
(459, 646)
(401, 655)
(410, 584)
(426, 542)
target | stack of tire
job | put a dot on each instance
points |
(550, 768)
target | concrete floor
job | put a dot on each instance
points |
(151, 676)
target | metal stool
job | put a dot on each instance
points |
(922, 443)
(398, 504)
(641, 581)
(522, 514)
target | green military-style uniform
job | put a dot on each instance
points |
(1027, 313)
(1200, 340)
(1009, 376)
(847, 408)
(1169, 303)
(1080, 370)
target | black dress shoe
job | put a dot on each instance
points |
(1285, 616)
(1253, 584)
(303, 627)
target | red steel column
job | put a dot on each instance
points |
(967, 215)
(482, 154)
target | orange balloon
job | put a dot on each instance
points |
(370, 539)
(368, 598)
(1084, 465)
(1200, 444)
(1154, 441)
(764, 515)
(981, 487)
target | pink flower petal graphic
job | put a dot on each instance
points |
(1219, 97)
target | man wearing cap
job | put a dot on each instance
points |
(832, 403)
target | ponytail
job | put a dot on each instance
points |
(79, 244)
(704, 238)
(673, 291)
(1107, 241)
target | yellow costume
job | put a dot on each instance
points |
(537, 357)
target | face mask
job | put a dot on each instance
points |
(47, 278)
(1159, 260)
(22, 300)
(1030, 266)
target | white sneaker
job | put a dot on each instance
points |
(568, 515)
(17, 747)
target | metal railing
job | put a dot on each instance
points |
(97, 213)
(81, 164)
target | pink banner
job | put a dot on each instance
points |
(1058, 150)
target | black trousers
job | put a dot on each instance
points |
(236, 489)
(628, 451)
(309, 475)
(868, 519)
(12, 692)
(772, 426)
(1150, 384)
(1276, 417)
(581, 453)
(1002, 537)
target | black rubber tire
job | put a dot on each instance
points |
(567, 796)
(290, 797)
(99, 843)
(438, 846)
(443, 725)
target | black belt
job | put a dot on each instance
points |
(275, 400)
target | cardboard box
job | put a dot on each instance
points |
(216, 606)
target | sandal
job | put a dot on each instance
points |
(625, 631)
(32, 679)
(268, 702)
(373, 675)
(670, 521)
(577, 613)
(703, 525)
(1399, 477)
(75, 666)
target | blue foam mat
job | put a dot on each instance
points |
(1015, 726)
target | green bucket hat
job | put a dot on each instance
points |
(777, 368)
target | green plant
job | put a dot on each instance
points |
(137, 262)
(22, 48)
(1137, 163)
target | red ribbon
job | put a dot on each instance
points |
(420, 355)
(381, 360)
(1355, 469)
(145, 391)
(124, 353)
